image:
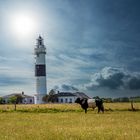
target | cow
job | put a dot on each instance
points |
(90, 103)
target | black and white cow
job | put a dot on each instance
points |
(90, 103)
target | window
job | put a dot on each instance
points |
(70, 100)
(61, 100)
(66, 100)
(30, 100)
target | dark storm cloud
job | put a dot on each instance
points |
(65, 87)
(134, 83)
(113, 82)
(68, 87)
(114, 78)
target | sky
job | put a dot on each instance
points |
(93, 46)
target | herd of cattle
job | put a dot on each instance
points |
(91, 103)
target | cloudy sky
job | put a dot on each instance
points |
(93, 46)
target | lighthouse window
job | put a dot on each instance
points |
(40, 42)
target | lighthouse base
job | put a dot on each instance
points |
(39, 99)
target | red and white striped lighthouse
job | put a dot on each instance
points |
(40, 71)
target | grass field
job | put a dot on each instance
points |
(69, 122)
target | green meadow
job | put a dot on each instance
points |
(69, 122)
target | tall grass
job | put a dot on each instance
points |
(46, 108)
(72, 124)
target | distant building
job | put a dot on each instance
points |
(68, 97)
(26, 99)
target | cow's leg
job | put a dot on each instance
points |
(85, 110)
(99, 108)
(102, 108)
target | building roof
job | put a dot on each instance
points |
(65, 94)
(76, 94)
(15, 94)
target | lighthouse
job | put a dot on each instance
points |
(40, 70)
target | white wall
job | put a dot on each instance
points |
(67, 99)
(29, 100)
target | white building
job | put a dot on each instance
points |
(40, 71)
(68, 97)
(26, 99)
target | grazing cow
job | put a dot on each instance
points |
(90, 103)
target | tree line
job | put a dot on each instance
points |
(122, 99)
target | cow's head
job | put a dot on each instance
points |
(78, 100)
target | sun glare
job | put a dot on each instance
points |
(23, 25)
